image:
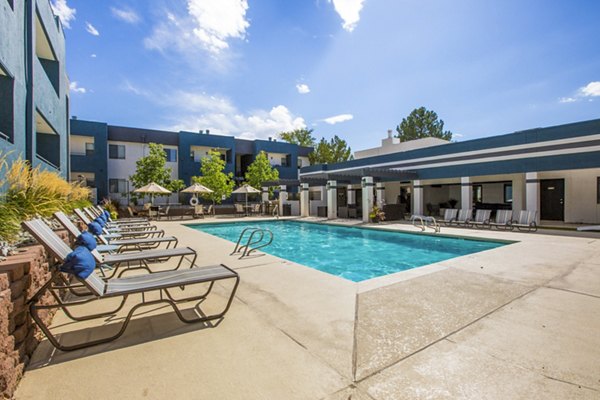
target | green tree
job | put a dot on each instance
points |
(151, 168)
(422, 123)
(175, 186)
(260, 171)
(334, 151)
(302, 137)
(213, 177)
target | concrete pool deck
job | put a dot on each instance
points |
(519, 322)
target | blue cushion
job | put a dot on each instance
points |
(107, 215)
(100, 221)
(80, 262)
(94, 228)
(86, 240)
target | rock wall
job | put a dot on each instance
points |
(21, 276)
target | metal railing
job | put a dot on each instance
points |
(423, 222)
(258, 237)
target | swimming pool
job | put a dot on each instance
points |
(356, 254)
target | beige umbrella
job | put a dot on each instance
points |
(196, 188)
(245, 188)
(152, 188)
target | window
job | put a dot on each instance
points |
(508, 196)
(299, 163)
(171, 155)
(7, 116)
(116, 151)
(314, 196)
(46, 55)
(223, 157)
(117, 185)
(477, 194)
(89, 149)
(284, 162)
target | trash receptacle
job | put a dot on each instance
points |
(287, 210)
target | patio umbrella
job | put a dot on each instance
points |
(195, 189)
(152, 189)
(245, 188)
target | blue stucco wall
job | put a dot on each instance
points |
(98, 163)
(46, 100)
(187, 166)
(289, 172)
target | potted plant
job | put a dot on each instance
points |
(376, 215)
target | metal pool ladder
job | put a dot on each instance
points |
(421, 221)
(258, 238)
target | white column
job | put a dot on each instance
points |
(417, 198)
(380, 191)
(351, 190)
(331, 199)
(304, 200)
(265, 194)
(367, 197)
(283, 196)
(532, 194)
(466, 193)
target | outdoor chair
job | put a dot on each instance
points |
(96, 211)
(198, 211)
(168, 285)
(125, 244)
(239, 209)
(256, 209)
(503, 220)
(464, 217)
(125, 232)
(481, 220)
(526, 221)
(141, 259)
(449, 216)
(89, 214)
(164, 213)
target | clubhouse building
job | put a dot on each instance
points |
(554, 171)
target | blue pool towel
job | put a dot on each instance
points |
(79, 262)
(86, 240)
(94, 228)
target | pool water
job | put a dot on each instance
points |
(356, 254)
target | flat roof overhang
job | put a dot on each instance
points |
(355, 175)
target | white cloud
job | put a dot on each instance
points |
(349, 11)
(588, 91)
(64, 12)
(73, 86)
(126, 14)
(338, 118)
(93, 55)
(209, 25)
(567, 100)
(129, 87)
(302, 88)
(90, 28)
(592, 89)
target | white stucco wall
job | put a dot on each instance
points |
(77, 144)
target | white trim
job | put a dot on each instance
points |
(580, 139)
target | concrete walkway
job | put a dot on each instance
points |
(516, 322)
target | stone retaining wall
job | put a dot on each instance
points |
(21, 276)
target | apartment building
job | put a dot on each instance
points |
(104, 156)
(34, 88)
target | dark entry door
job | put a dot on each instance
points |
(552, 199)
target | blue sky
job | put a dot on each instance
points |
(352, 68)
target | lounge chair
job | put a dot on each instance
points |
(464, 217)
(526, 221)
(199, 211)
(503, 220)
(449, 216)
(126, 232)
(128, 244)
(481, 220)
(116, 260)
(164, 283)
(92, 214)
